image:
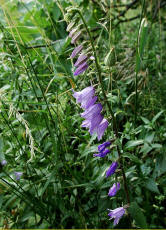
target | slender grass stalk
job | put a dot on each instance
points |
(138, 63)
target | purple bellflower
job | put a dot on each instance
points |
(84, 95)
(75, 37)
(116, 214)
(94, 121)
(70, 26)
(104, 145)
(102, 149)
(76, 51)
(82, 58)
(102, 153)
(114, 189)
(3, 162)
(81, 68)
(92, 111)
(71, 34)
(18, 175)
(112, 169)
(101, 129)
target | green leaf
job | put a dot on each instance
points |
(132, 158)
(157, 116)
(134, 143)
(145, 120)
(137, 214)
(151, 185)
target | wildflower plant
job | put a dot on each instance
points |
(94, 120)
(82, 108)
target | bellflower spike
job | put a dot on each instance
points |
(3, 162)
(104, 145)
(102, 154)
(112, 169)
(76, 51)
(81, 69)
(18, 175)
(116, 214)
(114, 189)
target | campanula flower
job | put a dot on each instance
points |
(112, 169)
(81, 68)
(82, 58)
(3, 162)
(116, 214)
(101, 129)
(92, 111)
(114, 189)
(76, 51)
(84, 95)
(104, 145)
(18, 175)
(75, 37)
(94, 121)
(102, 153)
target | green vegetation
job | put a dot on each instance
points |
(62, 185)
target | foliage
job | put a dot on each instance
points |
(63, 185)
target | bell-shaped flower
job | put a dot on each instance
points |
(104, 145)
(116, 214)
(81, 69)
(86, 104)
(76, 51)
(75, 37)
(102, 154)
(18, 175)
(101, 129)
(82, 58)
(84, 95)
(3, 162)
(112, 169)
(92, 111)
(114, 189)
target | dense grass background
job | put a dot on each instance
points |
(63, 185)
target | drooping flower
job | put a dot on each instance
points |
(72, 32)
(75, 37)
(112, 169)
(94, 121)
(92, 111)
(82, 58)
(114, 189)
(84, 95)
(81, 68)
(88, 103)
(18, 175)
(101, 129)
(76, 51)
(102, 153)
(70, 26)
(104, 145)
(116, 214)
(3, 162)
